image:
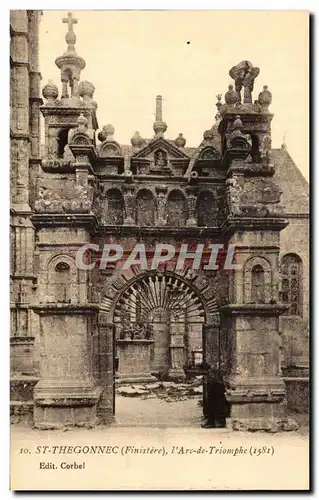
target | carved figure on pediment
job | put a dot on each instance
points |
(160, 159)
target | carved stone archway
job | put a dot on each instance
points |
(194, 290)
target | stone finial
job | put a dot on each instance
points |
(159, 126)
(218, 118)
(283, 144)
(70, 63)
(238, 124)
(218, 103)
(50, 91)
(208, 135)
(86, 89)
(82, 123)
(244, 75)
(106, 133)
(94, 104)
(70, 37)
(137, 141)
(231, 96)
(180, 141)
(265, 97)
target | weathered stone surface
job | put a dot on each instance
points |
(228, 189)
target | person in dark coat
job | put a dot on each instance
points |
(215, 404)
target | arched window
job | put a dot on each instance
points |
(208, 154)
(291, 284)
(176, 209)
(115, 207)
(62, 141)
(145, 208)
(61, 280)
(257, 284)
(206, 209)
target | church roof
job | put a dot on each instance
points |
(295, 188)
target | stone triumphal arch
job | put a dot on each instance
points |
(88, 189)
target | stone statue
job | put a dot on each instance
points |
(244, 75)
(160, 159)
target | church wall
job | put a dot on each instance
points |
(295, 329)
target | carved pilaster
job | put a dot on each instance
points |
(191, 205)
(130, 205)
(177, 350)
(161, 204)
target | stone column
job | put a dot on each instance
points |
(191, 205)
(160, 360)
(106, 356)
(177, 350)
(35, 77)
(66, 393)
(129, 199)
(211, 358)
(254, 386)
(211, 342)
(161, 203)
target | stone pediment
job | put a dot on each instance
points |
(173, 152)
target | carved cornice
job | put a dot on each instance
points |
(136, 231)
(88, 221)
(233, 224)
(60, 308)
(252, 309)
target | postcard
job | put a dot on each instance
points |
(159, 250)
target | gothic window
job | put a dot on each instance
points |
(257, 284)
(206, 209)
(145, 208)
(176, 209)
(291, 284)
(115, 207)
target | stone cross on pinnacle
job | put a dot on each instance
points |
(70, 37)
(70, 21)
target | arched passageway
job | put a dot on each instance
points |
(162, 328)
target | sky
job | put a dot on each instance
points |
(185, 56)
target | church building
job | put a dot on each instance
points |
(77, 330)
